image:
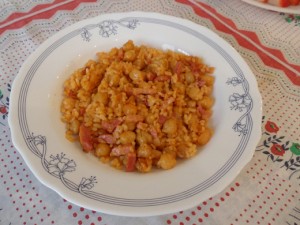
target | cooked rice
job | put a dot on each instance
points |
(139, 107)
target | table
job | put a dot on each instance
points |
(267, 189)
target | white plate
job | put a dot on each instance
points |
(80, 178)
(290, 9)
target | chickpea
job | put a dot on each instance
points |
(74, 126)
(155, 154)
(207, 90)
(191, 103)
(127, 137)
(129, 109)
(140, 63)
(129, 56)
(209, 80)
(206, 102)
(189, 77)
(128, 45)
(68, 103)
(143, 137)
(170, 150)
(102, 149)
(159, 65)
(166, 161)
(194, 119)
(116, 163)
(136, 75)
(204, 137)
(180, 87)
(130, 126)
(157, 142)
(194, 92)
(186, 150)
(170, 126)
(113, 78)
(101, 97)
(144, 151)
(178, 111)
(144, 165)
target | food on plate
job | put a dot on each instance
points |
(138, 107)
(282, 3)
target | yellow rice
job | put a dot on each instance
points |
(138, 107)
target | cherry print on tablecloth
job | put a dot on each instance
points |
(278, 150)
(272, 201)
(201, 213)
(82, 215)
(24, 199)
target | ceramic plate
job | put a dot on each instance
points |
(38, 133)
(290, 9)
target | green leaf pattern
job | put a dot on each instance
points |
(290, 157)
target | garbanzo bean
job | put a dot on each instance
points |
(206, 102)
(194, 92)
(127, 137)
(102, 149)
(170, 126)
(129, 109)
(144, 165)
(204, 137)
(129, 56)
(137, 75)
(143, 137)
(101, 97)
(74, 126)
(144, 151)
(189, 77)
(166, 161)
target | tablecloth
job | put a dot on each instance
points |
(267, 189)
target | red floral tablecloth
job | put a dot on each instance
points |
(267, 189)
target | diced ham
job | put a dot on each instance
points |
(86, 138)
(106, 138)
(120, 54)
(128, 152)
(153, 132)
(121, 150)
(81, 111)
(178, 68)
(162, 119)
(201, 83)
(71, 94)
(150, 76)
(200, 110)
(111, 125)
(195, 67)
(131, 160)
(204, 114)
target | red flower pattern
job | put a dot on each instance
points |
(3, 109)
(277, 149)
(271, 127)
